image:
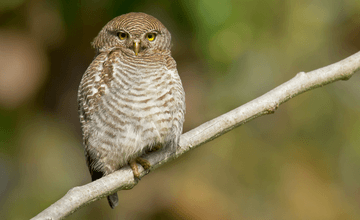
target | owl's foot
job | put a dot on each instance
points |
(144, 163)
(154, 148)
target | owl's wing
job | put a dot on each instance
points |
(90, 91)
(88, 94)
(179, 95)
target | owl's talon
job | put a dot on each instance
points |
(155, 148)
(135, 169)
(144, 163)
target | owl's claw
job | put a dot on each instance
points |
(155, 148)
(144, 163)
(135, 169)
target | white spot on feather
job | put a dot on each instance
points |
(94, 91)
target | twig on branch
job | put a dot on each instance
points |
(123, 179)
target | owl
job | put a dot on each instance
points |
(130, 99)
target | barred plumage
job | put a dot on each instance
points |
(130, 98)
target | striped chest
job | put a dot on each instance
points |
(137, 103)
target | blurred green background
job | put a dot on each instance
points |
(302, 162)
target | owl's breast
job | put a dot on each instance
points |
(138, 107)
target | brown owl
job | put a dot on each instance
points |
(130, 98)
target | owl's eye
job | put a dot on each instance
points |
(122, 35)
(151, 36)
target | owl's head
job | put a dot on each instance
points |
(135, 33)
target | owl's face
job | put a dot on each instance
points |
(137, 34)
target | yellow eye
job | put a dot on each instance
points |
(122, 35)
(151, 36)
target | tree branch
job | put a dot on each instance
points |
(78, 197)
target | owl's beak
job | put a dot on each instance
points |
(136, 47)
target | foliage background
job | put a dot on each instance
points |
(300, 163)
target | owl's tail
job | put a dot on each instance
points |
(113, 200)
